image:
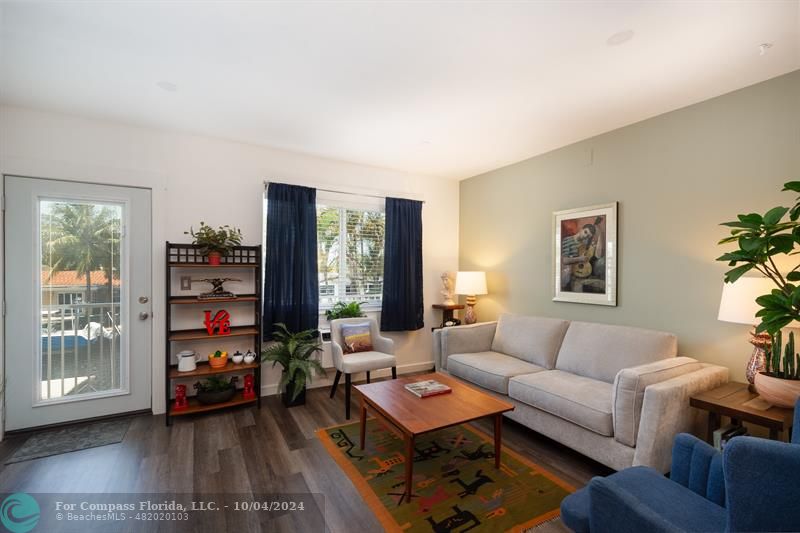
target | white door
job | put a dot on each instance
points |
(77, 285)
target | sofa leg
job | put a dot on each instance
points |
(394, 372)
(335, 383)
(347, 396)
(367, 376)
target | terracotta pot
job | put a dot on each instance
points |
(214, 258)
(777, 391)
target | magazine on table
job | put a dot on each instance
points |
(429, 387)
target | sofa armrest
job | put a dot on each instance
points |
(666, 412)
(437, 349)
(630, 383)
(467, 339)
(761, 482)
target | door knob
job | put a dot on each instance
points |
(143, 299)
(144, 315)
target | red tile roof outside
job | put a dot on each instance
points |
(70, 278)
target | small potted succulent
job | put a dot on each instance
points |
(345, 310)
(295, 352)
(215, 243)
(215, 389)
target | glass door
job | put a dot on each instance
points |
(85, 253)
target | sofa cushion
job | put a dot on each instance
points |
(490, 370)
(629, 387)
(599, 351)
(582, 401)
(531, 338)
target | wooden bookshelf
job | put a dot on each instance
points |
(180, 256)
(204, 370)
(212, 267)
(197, 407)
(191, 300)
(202, 334)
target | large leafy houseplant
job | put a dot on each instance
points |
(760, 240)
(345, 310)
(295, 352)
(215, 242)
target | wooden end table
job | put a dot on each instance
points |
(734, 400)
(411, 416)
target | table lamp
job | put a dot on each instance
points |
(471, 284)
(738, 305)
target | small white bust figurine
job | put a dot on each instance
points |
(448, 289)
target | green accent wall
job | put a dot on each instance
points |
(676, 177)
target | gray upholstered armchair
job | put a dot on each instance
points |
(382, 355)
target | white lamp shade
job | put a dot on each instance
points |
(471, 283)
(738, 303)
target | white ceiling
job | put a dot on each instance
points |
(448, 89)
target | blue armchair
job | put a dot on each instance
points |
(753, 486)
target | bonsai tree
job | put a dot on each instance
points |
(295, 353)
(760, 239)
(215, 243)
(344, 310)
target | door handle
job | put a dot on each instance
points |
(144, 315)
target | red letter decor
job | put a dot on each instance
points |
(221, 323)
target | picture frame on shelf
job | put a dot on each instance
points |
(585, 255)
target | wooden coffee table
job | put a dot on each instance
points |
(411, 416)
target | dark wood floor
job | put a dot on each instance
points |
(271, 450)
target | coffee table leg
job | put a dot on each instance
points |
(409, 465)
(363, 421)
(498, 428)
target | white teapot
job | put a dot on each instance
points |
(249, 357)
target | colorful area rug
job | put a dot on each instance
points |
(456, 486)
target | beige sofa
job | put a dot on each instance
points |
(616, 394)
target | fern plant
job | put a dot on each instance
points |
(295, 352)
(345, 310)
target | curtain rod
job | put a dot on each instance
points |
(266, 182)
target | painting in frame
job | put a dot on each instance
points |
(585, 255)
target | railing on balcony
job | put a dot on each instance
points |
(80, 349)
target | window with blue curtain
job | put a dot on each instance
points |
(402, 306)
(291, 290)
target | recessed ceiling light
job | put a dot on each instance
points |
(763, 47)
(620, 37)
(167, 86)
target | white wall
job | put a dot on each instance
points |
(220, 182)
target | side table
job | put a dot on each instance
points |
(734, 400)
(447, 312)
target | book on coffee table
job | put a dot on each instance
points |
(429, 387)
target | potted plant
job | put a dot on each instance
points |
(295, 353)
(344, 310)
(760, 240)
(215, 243)
(215, 389)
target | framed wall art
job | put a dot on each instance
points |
(585, 255)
